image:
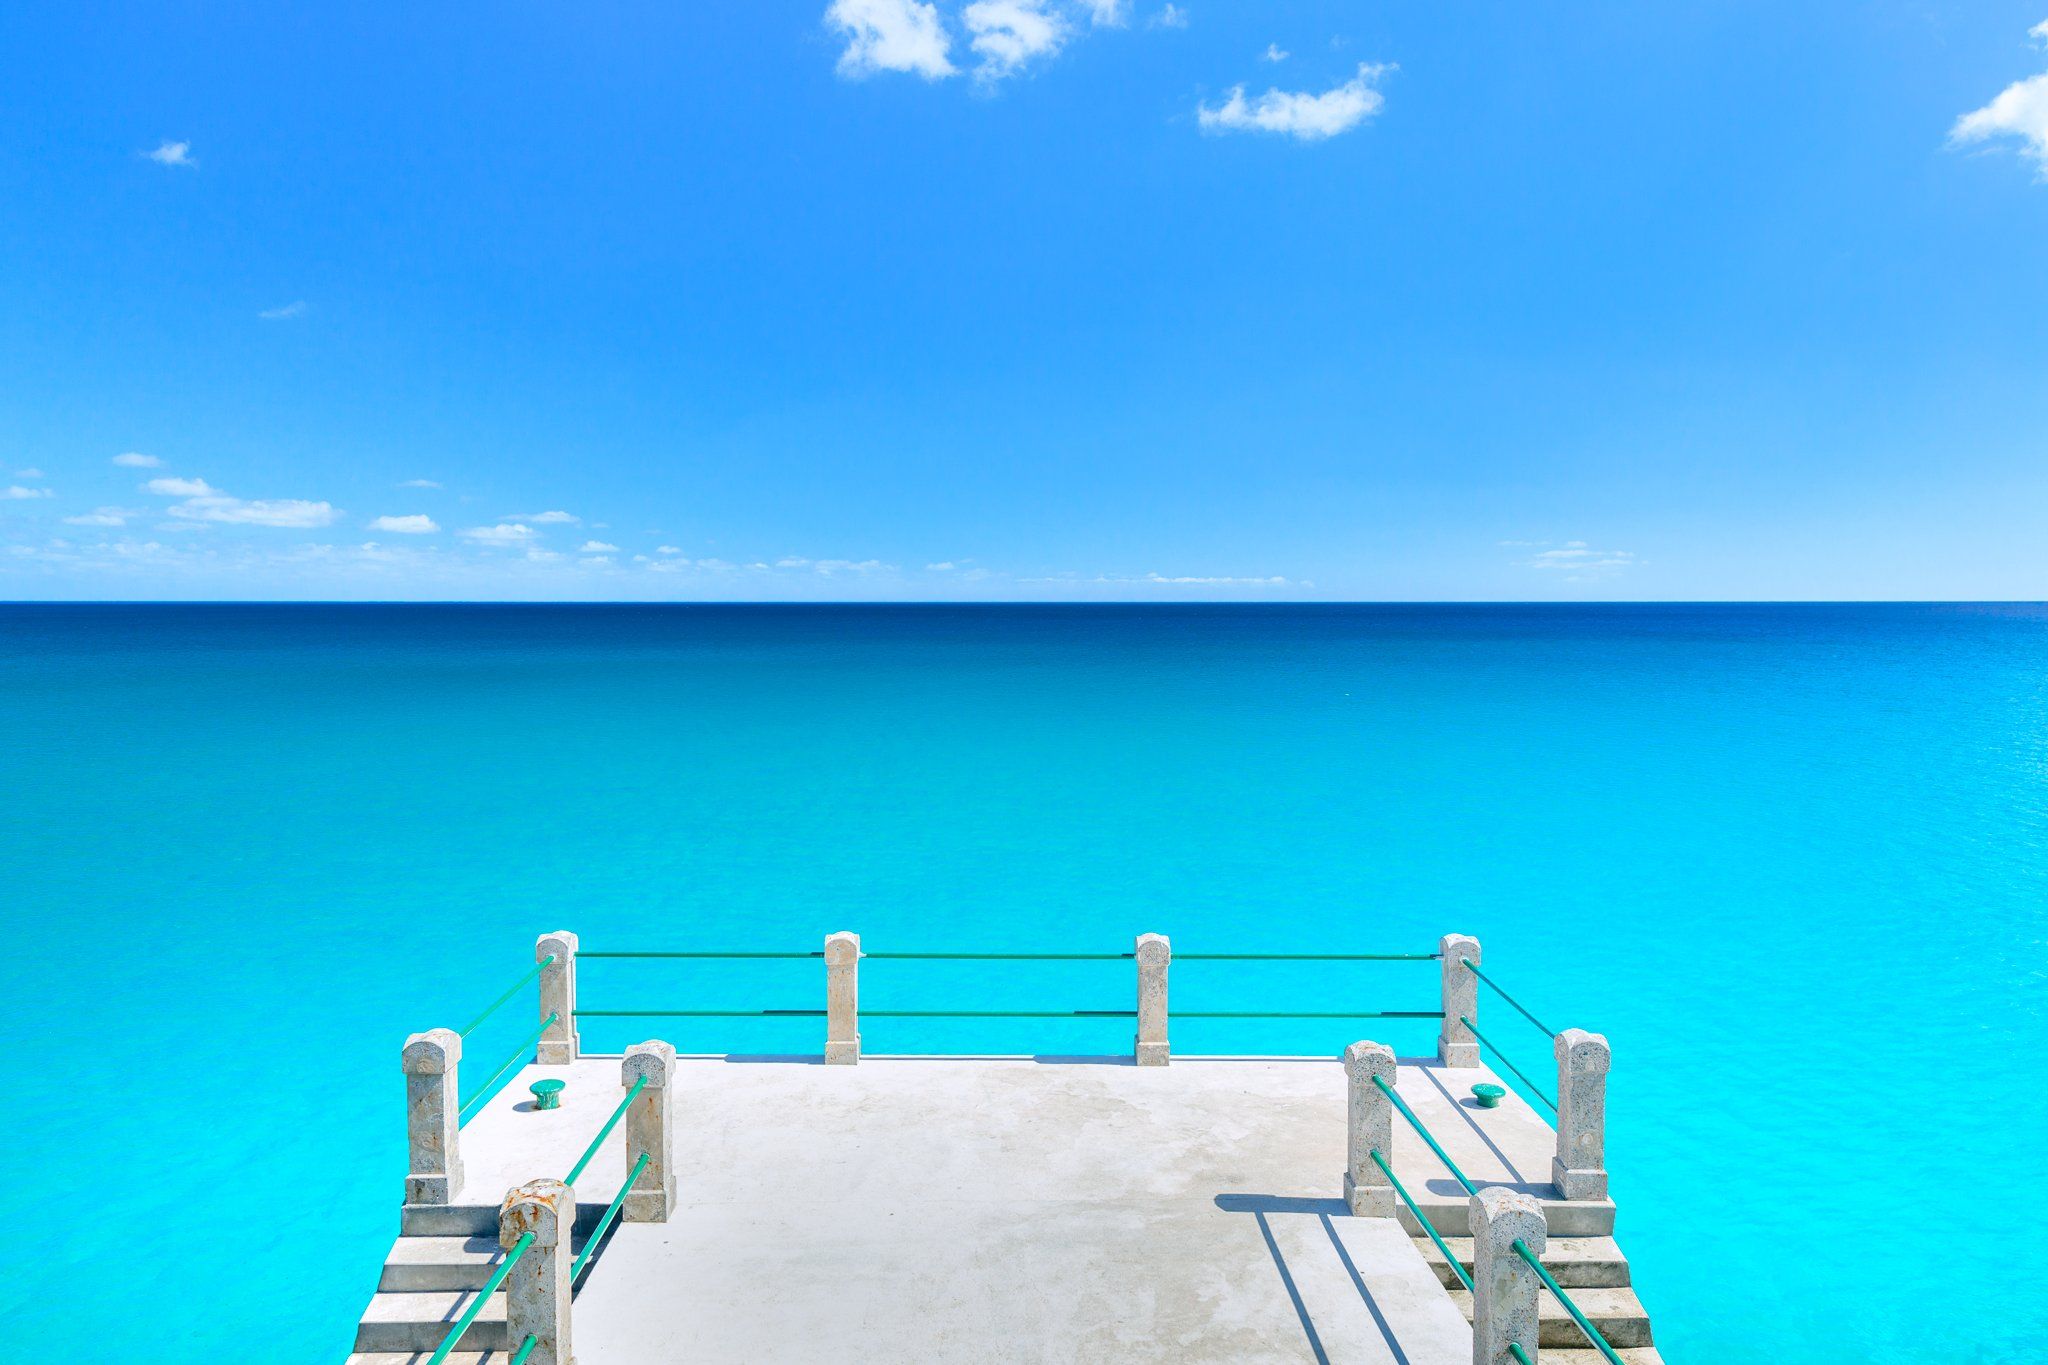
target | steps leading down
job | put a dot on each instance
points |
(1595, 1272)
(427, 1283)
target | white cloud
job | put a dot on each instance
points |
(419, 483)
(831, 567)
(1109, 13)
(137, 460)
(1275, 53)
(28, 473)
(416, 524)
(170, 153)
(289, 513)
(1173, 16)
(504, 533)
(1577, 560)
(891, 35)
(943, 566)
(668, 549)
(296, 308)
(1299, 114)
(1159, 580)
(17, 493)
(1009, 33)
(598, 547)
(548, 518)
(2020, 110)
(180, 488)
(101, 516)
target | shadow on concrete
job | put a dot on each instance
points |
(1308, 1325)
(1259, 1206)
(1372, 1306)
(1520, 1182)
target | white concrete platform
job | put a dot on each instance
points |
(1011, 1209)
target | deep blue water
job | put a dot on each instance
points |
(1792, 860)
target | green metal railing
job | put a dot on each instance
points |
(1509, 998)
(618, 1202)
(485, 1091)
(605, 1132)
(1416, 1124)
(525, 1349)
(483, 1297)
(1501, 1057)
(1421, 1217)
(1557, 1292)
(517, 986)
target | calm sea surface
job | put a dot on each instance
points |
(1793, 861)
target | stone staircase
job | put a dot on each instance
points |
(1595, 1272)
(432, 1274)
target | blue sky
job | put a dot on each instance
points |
(1051, 299)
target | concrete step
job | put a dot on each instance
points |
(1575, 1262)
(422, 1357)
(476, 1220)
(418, 1322)
(1586, 1355)
(1618, 1313)
(1450, 1210)
(420, 1264)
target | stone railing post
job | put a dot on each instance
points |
(1455, 1045)
(558, 1042)
(650, 1128)
(842, 999)
(1369, 1129)
(1580, 1167)
(537, 1290)
(1154, 953)
(1504, 1285)
(433, 1162)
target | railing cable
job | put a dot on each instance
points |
(1503, 1059)
(1509, 998)
(516, 987)
(1422, 1218)
(618, 1201)
(1416, 1124)
(483, 1296)
(483, 1092)
(1557, 1292)
(605, 1132)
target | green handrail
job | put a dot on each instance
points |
(999, 1014)
(1514, 1349)
(1416, 1123)
(1422, 1218)
(814, 953)
(1308, 1014)
(1306, 957)
(604, 1132)
(618, 1202)
(698, 1014)
(483, 1092)
(1505, 996)
(483, 1297)
(1557, 1291)
(1503, 1058)
(508, 994)
(525, 1349)
(1006, 957)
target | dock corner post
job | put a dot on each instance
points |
(1369, 1129)
(1455, 1045)
(1154, 953)
(650, 1128)
(537, 1289)
(433, 1119)
(1504, 1286)
(558, 1042)
(842, 999)
(1579, 1169)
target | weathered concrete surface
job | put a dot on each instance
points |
(1013, 1210)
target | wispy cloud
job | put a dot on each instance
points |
(137, 460)
(1172, 16)
(1009, 34)
(547, 518)
(668, 549)
(943, 566)
(203, 503)
(28, 473)
(296, 308)
(891, 35)
(419, 483)
(19, 493)
(1298, 114)
(414, 524)
(2019, 111)
(170, 153)
(101, 516)
(1159, 580)
(1275, 53)
(504, 533)
(1576, 560)
(597, 547)
(1109, 13)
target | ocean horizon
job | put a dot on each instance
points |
(1790, 858)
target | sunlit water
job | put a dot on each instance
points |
(1793, 861)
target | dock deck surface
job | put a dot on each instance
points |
(1012, 1209)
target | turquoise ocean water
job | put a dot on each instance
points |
(1792, 860)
